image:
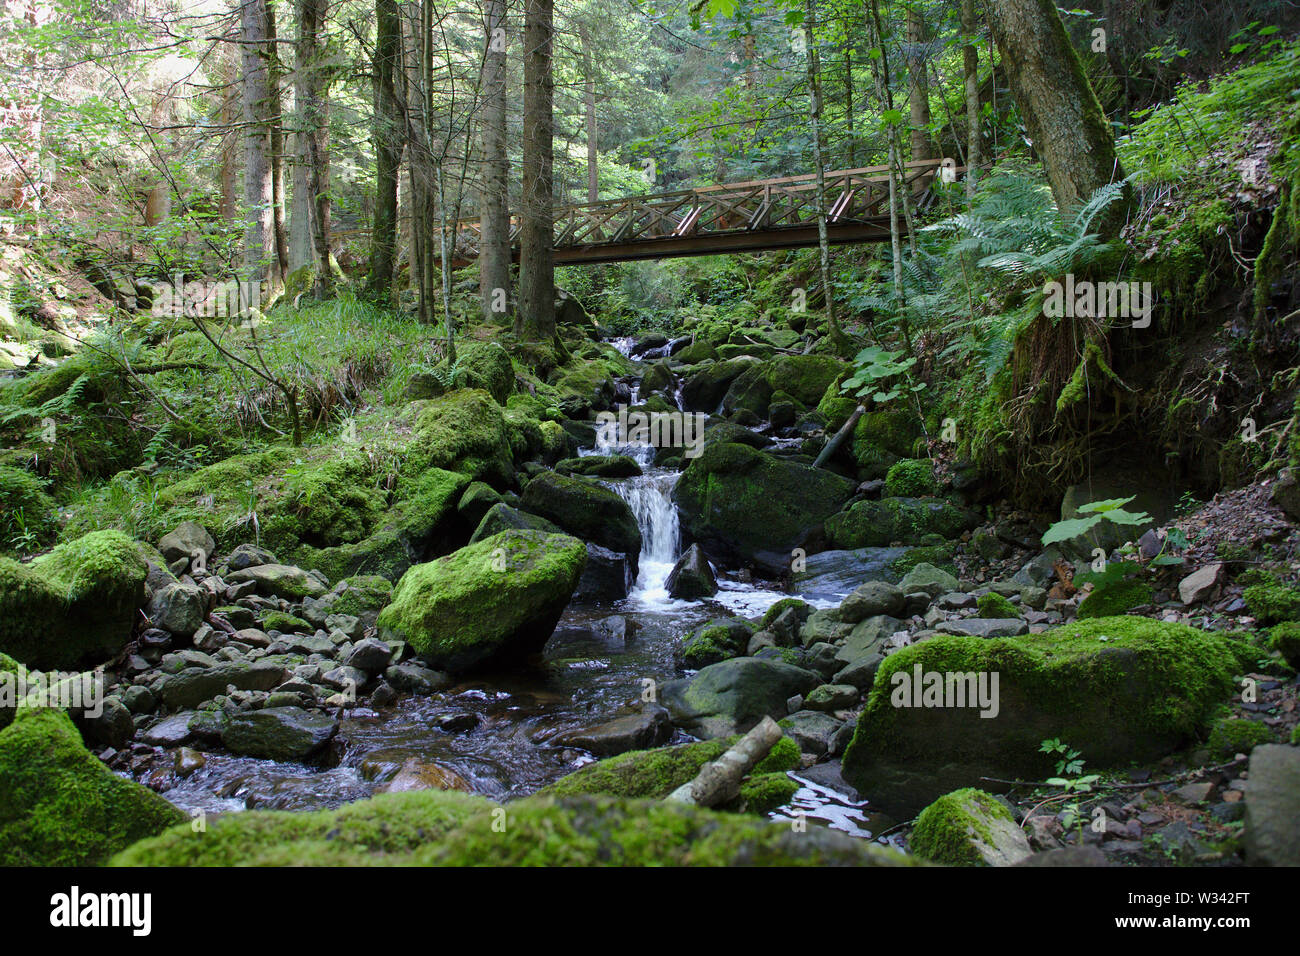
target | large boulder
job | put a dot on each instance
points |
(732, 696)
(703, 391)
(280, 580)
(185, 540)
(73, 606)
(647, 728)
(873, 524)
(746, 506)
(586, 509)
(487, 603)
(501, 517)
(178, 608)
(1118, 689)
(463, 431)
(608, 576)
(59, 805)
(446, 828)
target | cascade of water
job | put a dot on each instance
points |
(650, 497)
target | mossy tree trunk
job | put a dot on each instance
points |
(388, 149)
(1065, 121)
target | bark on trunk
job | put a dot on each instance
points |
(494, 244)
(388, 149)
(970, 71)
(259, 249)
(918, 89)
(536, 319)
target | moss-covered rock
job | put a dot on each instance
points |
(73, 606)
(600, 466)
(59, 806)
(586, 509)
(968, 828)
(1285, 639)
(489, 602)
(873, 524)
(440, 828)
(362, 596)
(1272, 601)
(1230, 736)
(463, 431)
(911, 478)
(704, 391)
(1114, 598)
(746, 506)
(1117, 689)
(25, 509)
(732, 696)
(501, 517)
(993, 605)
(716, 641)
(486, 366)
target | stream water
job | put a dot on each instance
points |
(492, 730)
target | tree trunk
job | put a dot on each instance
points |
(593, 171)
(494, 200)
(823, 241)
(536, 319)
(277, 144)
(388, 149)
(719, 780)
(970, 70)
(848, 106)
(259, 250)
(918, 88)
(1066, 123)
(316, 116)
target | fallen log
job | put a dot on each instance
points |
(719, 781)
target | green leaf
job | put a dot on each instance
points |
(1070, 528)
(1106, 505)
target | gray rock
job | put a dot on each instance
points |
(113, 726)
(193, 685)
(346, 678)
(824, 625)
(249, 556)
(812, 730)
(280, 580)
(188, 538)
(926, 577)
(871, 599)
(411, 678)
(867, 638)
(861, 673)
(831, 697)
(1202, 584)
(985, 627)
(833, 575)
(370, 655)
(732, 696)
(278, 733)
(178, 608)
(1272, 836)
(607, 576)
(170, 731)
(349, 624)
(649, 728)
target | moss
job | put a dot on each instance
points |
(285, 623)
(947, 830)
(868, 524)
(59, 806)
(1118, 689)
(641, 773)
(28, 515)
(585, 508)
(600, 466)
(1285, 639)
(437, 828)
(784, 755)
(762, 793)
(362, 594)
(1116, 597)
(1272, 602)
(1239, 736)
(802, 607)
(834, 406)
(937, 555)
(486, 366)
(497, 599)
(911, 478)
(996, 606)
(73, 606)
(463, 431)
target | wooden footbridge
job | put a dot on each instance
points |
(733, 217)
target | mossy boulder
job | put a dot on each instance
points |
(704, 391)
(875, 524)
(74, 606)
(586, 509)
(442, 828)
(488, 603)
(993, 605)
(362, 596)
(1272, 601)
(1115, 597)
(1285, 639)
(486, 366)
(745, 506)
(1118, 689)
(716, 641)
(463, 431)
(59, 806)
(502, 517)
(969, 828)
(910, 478)
(1230, 736)
(25, 508)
